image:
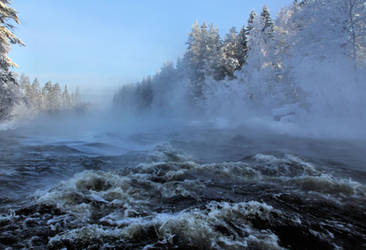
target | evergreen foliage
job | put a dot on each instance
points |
(261, 66)
(50, 98)
(8, 90)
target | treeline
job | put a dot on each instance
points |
(18, 93)
(264, 65)
(51, 98)
(155, 91)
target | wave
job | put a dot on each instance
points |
(207, 228)
(265, 201)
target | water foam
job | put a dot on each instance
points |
(172, 201)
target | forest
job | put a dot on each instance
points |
(307, 61)
(51, 98)
(19, 97)
(292, 66)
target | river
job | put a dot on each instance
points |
(189, 186)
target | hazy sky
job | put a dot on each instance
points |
(104, 43)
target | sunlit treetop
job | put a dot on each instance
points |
(8, 16)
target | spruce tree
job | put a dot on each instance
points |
(251, 19)
(242, 47)
(202, 56)
(7, 16)
(249, 29)
(268, 26)
(194, 59)
(214, 58)
(8, 89)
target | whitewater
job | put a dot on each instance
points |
(158, 184)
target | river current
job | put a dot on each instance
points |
(194, 187)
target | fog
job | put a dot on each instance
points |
(254, 140)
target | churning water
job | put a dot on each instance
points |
(197, 187)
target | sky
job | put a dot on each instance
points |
(104, 44)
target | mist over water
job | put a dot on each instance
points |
(213, 152)
(158, 182)
(224, 174)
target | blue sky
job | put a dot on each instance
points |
(108, 43)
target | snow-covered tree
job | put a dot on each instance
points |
(36, 95)
(258, 44)
(24, 82)
(7, 16)
(8, 91)
(56, 98)
(263, 73)
(202, 56)
(330, 28)
(250, 25)
(242, 47)
(268, 26)
(48, 99)
(355, 11)
(9, 95)
(76, 97)
(27, 90)
(195, 59)
(66, 99)
(215, 43)
(164, 83)
(268, 64)
(231, 53)
(46, 95)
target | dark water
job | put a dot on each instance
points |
(194, 188)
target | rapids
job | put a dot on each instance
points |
(196, 187)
